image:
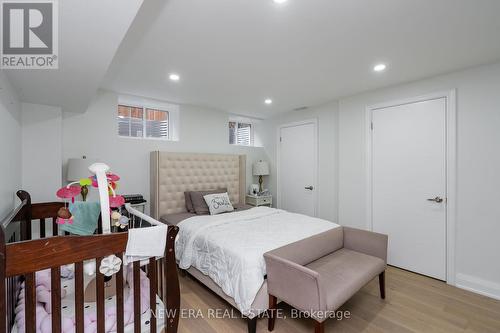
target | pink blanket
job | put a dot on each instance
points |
(44, 309)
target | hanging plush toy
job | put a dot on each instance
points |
(119, 221)
(123, 223)
(67, 192)
(115, 217)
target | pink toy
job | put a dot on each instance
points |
(67, 192)
(116, 201)
(110, 176)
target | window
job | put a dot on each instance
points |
(156, 123)
(142, 122)
(240, 133)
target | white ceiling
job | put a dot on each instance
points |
(90, 32)
(232, 54)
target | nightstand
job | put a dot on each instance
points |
(259, 200)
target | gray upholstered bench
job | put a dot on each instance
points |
(318, 274)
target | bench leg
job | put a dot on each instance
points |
(381, 282)
(252, 325)
(319, 327)
(272, 312)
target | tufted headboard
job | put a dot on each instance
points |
(174, 173)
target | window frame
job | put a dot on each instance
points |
(144, 107)
(237, 122)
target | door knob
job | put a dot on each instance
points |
(310, 188)
(436, 199)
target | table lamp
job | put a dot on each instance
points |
(260, 169)
(78, 168)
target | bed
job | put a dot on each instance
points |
(45, 288)
(228, 247)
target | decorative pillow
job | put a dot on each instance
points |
(199, 205)
(218, 203)
(189, 203)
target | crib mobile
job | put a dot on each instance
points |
(106, 183)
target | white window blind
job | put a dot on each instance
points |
(156, 123)
(232, 132)
(141, 122)
(240, 133)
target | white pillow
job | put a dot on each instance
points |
(218, 203)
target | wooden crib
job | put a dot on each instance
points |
(21, 257)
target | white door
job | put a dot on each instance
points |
(297, 168)
(409, 184)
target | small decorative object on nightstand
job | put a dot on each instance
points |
(262, 200)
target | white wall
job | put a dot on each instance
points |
(41, 151)
(327, 117)
(478, 197)
(94, 134)
(342, 178)
(10, 146)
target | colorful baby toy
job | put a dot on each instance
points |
(67, 192)
(72, 190)
(110, 202)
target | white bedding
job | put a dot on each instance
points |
(229, 247)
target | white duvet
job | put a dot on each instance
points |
(229, 248)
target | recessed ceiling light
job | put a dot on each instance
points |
(174, 77)
(380, 67)
(280, 1)
(268, 101)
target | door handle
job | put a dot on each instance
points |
(436, 199)
(310, 188)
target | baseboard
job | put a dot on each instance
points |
(478, 285)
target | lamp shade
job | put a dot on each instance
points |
(78, 168)
(260, 168)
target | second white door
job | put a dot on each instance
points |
(297, 168)
(409, 184)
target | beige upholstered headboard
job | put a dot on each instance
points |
(174, 173)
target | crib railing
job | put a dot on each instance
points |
(10, 233)
(21, 260)
(28, 214)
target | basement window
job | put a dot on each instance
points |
(240, 133)
(143, 119)
(141, 122)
